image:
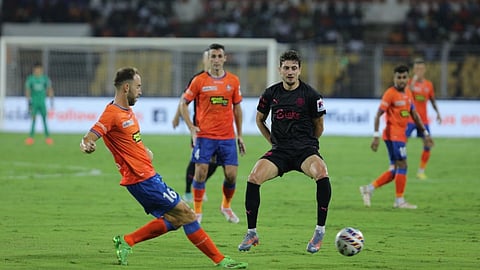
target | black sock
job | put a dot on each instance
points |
(189, 177)
(252, 203)
(324, 193)
(212, 167)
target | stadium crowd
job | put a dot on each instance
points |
(321, 21)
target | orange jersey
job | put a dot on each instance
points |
(121, 134)
(422, 92)
(397, 106)
(214, 99)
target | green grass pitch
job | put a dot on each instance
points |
(59, 209)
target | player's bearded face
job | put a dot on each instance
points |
(135, 90)
(400, 80)
(132, 99)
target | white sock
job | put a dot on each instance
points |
(254, 230)
(320, 228)
(400, 200)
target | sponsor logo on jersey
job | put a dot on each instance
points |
(399, 103)
(419, 97)
(209, 88)
(219, 101)
(127, 123)
(136, 137)
(404, 113)
(284, 114)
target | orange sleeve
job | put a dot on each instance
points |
(104, 123)
(193, 89)
(386, 100)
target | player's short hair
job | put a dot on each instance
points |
(418, 61)
(216, 46)
(124, 74)
(37, 64)
(291, 55)
(401, 69)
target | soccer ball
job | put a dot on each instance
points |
(349, 241)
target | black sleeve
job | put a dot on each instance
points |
(264, 102)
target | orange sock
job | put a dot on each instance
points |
(228, 191)
(198, 189)
(383, 179)
(202, 241)
(150, 230)
(400, 182)
(424, 159)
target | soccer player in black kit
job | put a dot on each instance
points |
(296, 125)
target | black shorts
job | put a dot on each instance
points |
(289, 159)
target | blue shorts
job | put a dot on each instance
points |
(396, 150)
(412, 126)
(224, 150)
(154, 195)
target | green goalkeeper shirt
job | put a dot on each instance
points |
(38, 87)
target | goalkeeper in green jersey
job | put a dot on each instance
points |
(37, 87)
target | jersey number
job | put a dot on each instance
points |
(170, 195)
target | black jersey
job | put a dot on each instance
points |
(292, 113)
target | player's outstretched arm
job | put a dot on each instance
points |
(87, 144)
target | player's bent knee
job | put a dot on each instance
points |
(254, 179)
(182, 214)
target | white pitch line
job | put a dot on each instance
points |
(79, 171)
(48, 165)
(93, 172)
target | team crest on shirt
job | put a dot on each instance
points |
(229, 87)
(300, 102)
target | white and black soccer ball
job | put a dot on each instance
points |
(349, 241)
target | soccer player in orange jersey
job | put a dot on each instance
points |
(120, 131)
(422, 91)
(212, 166)
(398, 106)
(217, 95)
